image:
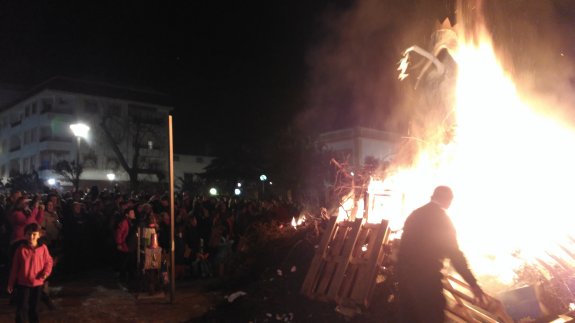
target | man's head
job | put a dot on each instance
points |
(442, 195)
(77, 207)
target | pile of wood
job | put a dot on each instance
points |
(347, 263)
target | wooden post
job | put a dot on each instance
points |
(172, 224)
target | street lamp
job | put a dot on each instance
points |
(263, 178)
(111, 176)
(80, 130)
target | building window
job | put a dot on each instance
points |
(47, 105)
(26, 137)
(45, 133)
(26, 165)
(113, 109)
(14, 167)
(112, 163)
(34, 135)
(14, 143)
(34, 107)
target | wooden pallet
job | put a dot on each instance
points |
(462, 307)
(361, 274)
(345, 265)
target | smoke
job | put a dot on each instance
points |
(352, 69)
(352, 75)
(534, 40)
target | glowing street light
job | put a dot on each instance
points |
(213, 191)
(237, 191)
(51, 181)
(111, 176)
(80, 130)
(263, 178)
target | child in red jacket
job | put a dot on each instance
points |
(31, 265)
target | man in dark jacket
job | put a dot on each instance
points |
(428, 239)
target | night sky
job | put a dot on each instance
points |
(240, 70)
(235, 69)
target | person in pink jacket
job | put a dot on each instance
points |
(31, 265)
(125, 238)
(21, 216)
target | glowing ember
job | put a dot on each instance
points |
(299, 221)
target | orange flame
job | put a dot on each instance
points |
(512, 169)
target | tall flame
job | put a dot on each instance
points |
(512, 169)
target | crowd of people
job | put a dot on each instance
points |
(100, 229)
(67, 233)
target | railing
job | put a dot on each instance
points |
(55, 138)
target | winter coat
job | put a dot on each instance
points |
(18, 220)
(30, 266)
(125, 236)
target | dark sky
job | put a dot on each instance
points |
(234, 68)
(240, 70)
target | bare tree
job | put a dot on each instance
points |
(133, 139)
(70, 171)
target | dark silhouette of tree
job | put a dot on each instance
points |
(143, 146)
(296, 164)
(29, 182)
(70, 172)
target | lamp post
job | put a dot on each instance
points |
(80, 130)
(263, 178)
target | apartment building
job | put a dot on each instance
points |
(354, 145)
(35, 130)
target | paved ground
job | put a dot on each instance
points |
(97, 297)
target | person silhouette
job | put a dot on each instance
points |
(429, 238)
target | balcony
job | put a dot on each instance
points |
(57, 110)
(55, 138)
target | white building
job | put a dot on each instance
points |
(354, 145)
(35, 129)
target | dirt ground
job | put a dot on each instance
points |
(97, 297)
(262, 285)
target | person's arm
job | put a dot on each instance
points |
(121, 234)
(452, 251)
(14, 271)
(459, 262)
(48, 263)
(39, 213)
